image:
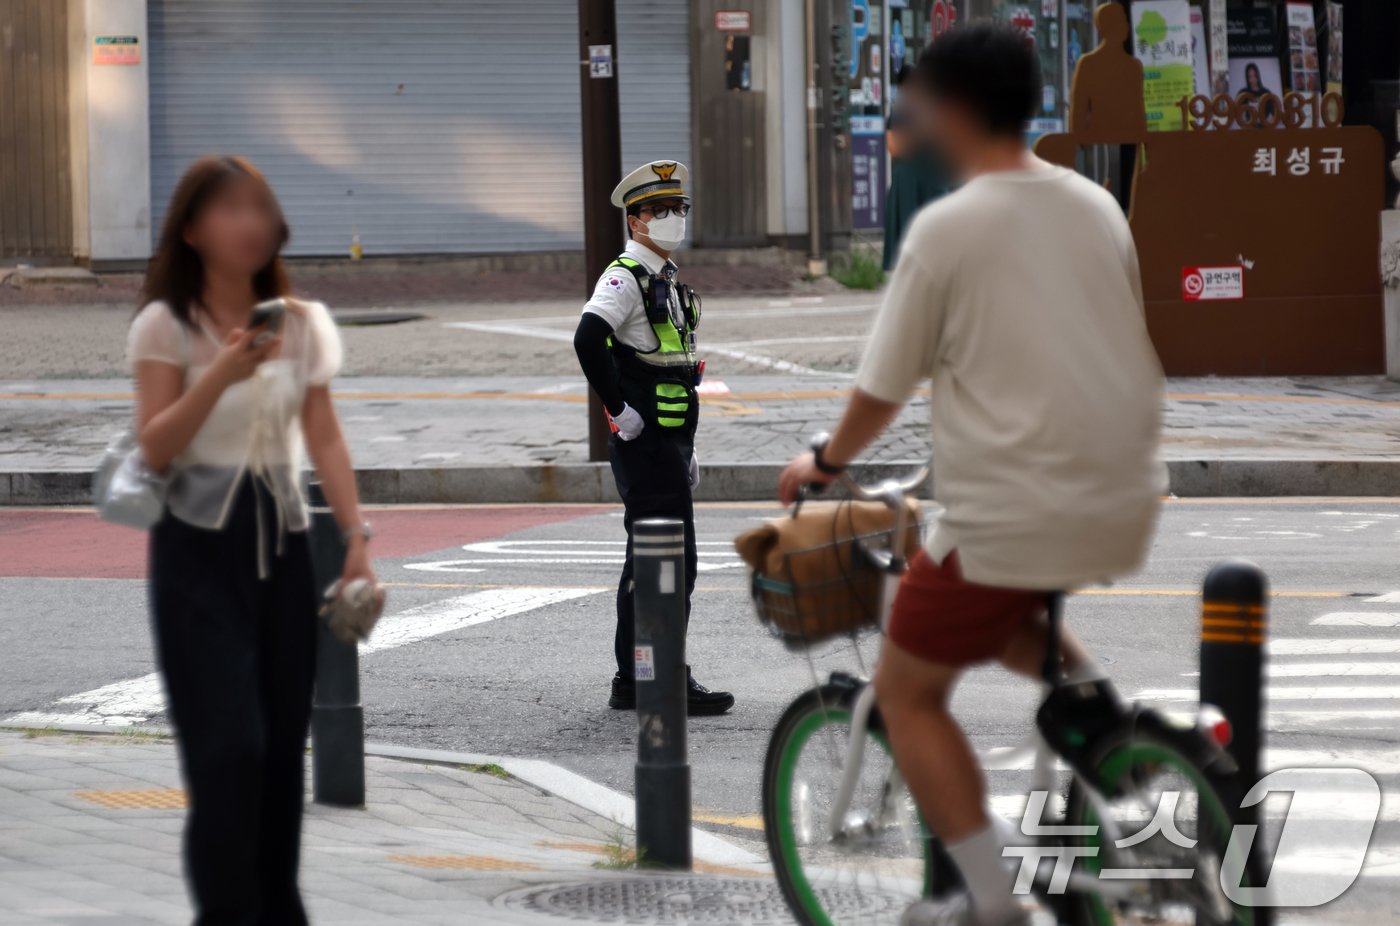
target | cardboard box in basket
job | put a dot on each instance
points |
(834, 589)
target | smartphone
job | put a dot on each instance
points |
(267, 316)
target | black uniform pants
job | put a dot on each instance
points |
(653, 477)
(238, 655)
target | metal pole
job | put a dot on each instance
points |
(663, 774)
(1234, 627)
(603, 238)
(816, 262)
(337, 719)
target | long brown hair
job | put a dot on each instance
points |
(175, 274)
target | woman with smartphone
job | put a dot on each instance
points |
(233, 384)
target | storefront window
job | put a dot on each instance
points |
(1044, 22)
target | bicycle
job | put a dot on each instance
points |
(846, 839)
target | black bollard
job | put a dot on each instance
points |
(663, 774)
(337, 720)
(1234, 628)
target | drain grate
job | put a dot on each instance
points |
(682, 901)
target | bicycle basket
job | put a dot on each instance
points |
(808, 612)
(812, 577)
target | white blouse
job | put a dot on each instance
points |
(255, 427)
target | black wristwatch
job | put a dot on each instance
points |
(822, 465)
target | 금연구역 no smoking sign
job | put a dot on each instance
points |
(1209, 284)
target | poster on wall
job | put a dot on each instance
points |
(1255, 72)
(1219, 49)
(1304, 74)
(1200, 57)
(867, 172)
(1334, 47)
(1162, 42)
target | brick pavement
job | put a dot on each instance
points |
(90, 833)
(63, 425)
(429, 282)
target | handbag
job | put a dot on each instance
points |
(125, 490)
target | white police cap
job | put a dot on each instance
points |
(657, 180)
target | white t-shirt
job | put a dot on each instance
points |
(617, 299)
(1020, 297)
(256, 424)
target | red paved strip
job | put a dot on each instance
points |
(400, 532)
(77, 544)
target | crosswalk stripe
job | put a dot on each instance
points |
(1358, 619)
(1302, 646)
(1341, 805)
(1277, 693)
(1387, 598)
(1352, 721)
(1333, 669)
(1380, 762)
(480, 607)
(134, 701)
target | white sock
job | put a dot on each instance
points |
(1087, 671)
(986, 875)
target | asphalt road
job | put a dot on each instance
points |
(499, 641)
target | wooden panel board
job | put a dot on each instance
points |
(730, 132)
(36, 214)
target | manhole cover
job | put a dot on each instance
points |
(667, 900)
(352, 319)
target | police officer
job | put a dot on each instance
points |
(636, 344)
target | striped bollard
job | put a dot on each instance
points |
(1234, 629)
(663, 772)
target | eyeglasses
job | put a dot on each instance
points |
(661, 212)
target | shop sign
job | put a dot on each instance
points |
(1210, 284)
(1023, 18)
(734, 21)
(942, 17)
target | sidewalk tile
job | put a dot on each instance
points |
(84, 863)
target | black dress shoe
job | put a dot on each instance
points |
(701, 701)
(624, 693)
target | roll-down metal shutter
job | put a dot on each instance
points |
(433, 126)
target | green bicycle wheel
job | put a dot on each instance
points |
(881, 860)
(1149, 769)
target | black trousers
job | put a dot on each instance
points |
(238, 654)
(653, 478)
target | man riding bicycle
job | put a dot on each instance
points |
(1019, 297)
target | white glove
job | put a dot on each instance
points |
(628, 422)
(694, 470)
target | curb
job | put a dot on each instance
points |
(591, 483)
(574, 788)
(546, 776)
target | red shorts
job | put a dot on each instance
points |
(941, 617)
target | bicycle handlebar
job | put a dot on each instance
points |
(891, 491)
